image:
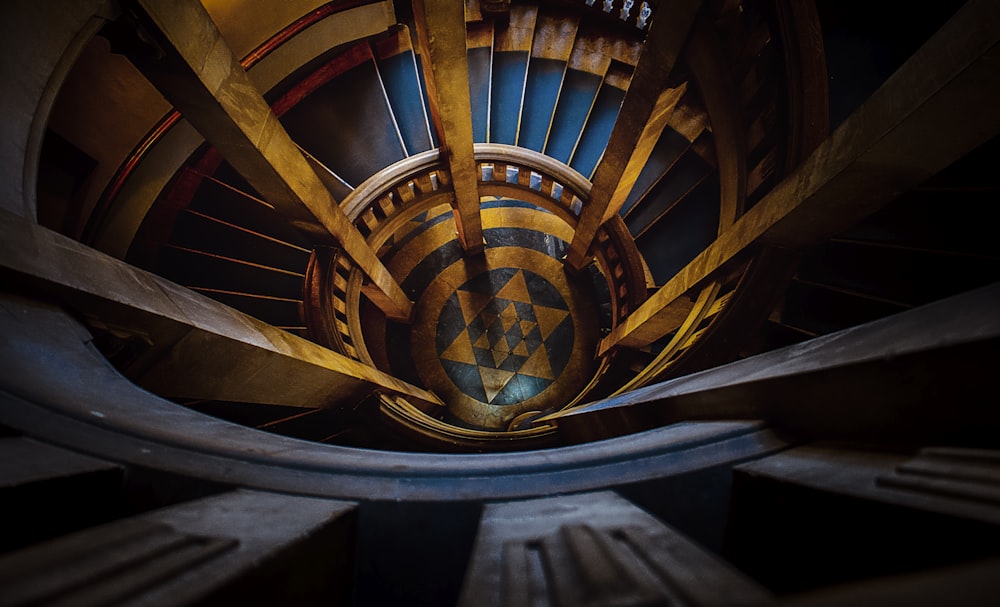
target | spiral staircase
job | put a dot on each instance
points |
(516, 303)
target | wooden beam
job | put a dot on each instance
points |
(185, 344)
(440, 27)
(720, 95)
(889, 377)
(647, 105)
(940, 105)
(206, 550)
(193, 67)
(805, 71)
(585, 549)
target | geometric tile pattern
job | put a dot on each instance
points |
(503, 336)
(496, 335)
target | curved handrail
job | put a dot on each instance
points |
(400, 192)
(325, 304)
(422, 180)
(417, 423)
(100, 412)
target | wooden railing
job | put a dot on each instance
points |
(383, 203)
(326, 309)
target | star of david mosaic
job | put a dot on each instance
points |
(504, 336)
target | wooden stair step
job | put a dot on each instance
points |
(239, 547)
(824, 514)
(46, 491)
(594, 549)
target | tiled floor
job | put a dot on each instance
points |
(499, 335)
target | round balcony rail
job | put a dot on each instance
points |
(397, 194)
(382, 205)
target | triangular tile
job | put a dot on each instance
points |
(501, 346)
(512, 363)
(524, 311)
(508, 316)
(543, 293)
(515, 289)
(527, 326)
(489, 314)
(538, 365)
(450, 323)
(466, 378)
(472, 303)
(521, 349)
(549, 319)
(513, 338)
(460, 350)
(528, 386)
(483, 342)
(514, 334)
(498, 357)
(495, 332)
(484, 358)
(493, 381)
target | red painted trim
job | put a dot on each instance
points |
(117, 182)
(353, 57)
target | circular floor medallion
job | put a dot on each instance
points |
(503, 337)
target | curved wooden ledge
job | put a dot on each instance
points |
(97, 411)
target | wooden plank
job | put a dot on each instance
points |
(214, 550)
(446, 73)
(594, 549)
(861, 381)
(37, 480)
(188, 345)
(819, 515)
(714, 78)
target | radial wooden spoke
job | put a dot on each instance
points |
(446, 73)
(195, 69)
(195, 347)
(936, 108)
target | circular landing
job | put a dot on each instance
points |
(496, 336)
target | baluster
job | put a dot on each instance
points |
(626, 9)
(524, 176)
(644, 14)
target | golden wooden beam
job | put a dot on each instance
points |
(440, 26)
(196, 71)
(710, 68)
(644, 113)
(940, 105)
(188, 345)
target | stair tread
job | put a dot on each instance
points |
(46, 491)
(333, 126)
(23, 461)
(399, 71)
(596, 133)
(179, 554)
(541, 94)
(595, 548)
(579, 89)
